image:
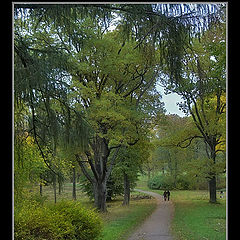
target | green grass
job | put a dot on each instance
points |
(200, 220)
(121, 221)
(66, 194)
(195, 218)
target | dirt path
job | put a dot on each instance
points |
(156, 227)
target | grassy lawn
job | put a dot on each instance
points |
(195, 218)
(199, 221)
(66, 194)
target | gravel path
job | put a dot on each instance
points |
(156, 227)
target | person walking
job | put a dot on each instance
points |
(221, 194)
(168, 195)
(165, 195)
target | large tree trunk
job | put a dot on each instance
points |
(126, 190)
(100, 191)
(97, 159)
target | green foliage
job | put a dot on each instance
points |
(28, 164)
(161, 182)
(114, 186)
(111, 85)
(168, 182)
(183, 183)
(86, 93)
(64, 220)
(38, 222)
(87, 88)
(86, 186)
(86, 223)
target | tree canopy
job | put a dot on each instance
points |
(85, 79)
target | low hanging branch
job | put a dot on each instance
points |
(38, 145)
(35, 136)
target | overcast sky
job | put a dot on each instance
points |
(170, 101)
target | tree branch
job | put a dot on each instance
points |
(91, 164)
(146, 88)
(138, 85)
(190, 139)
(83, 167)
(112, 161)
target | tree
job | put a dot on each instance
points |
(171, 159)
(169, 26)
(111, 87)
(28, 164)
(203, 89)
(129, 163)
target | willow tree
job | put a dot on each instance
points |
(41, 84)
(168, 26)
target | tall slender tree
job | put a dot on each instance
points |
(203, 90)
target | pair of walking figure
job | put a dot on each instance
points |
(166, 195)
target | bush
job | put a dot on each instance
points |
(37, 222)
(87, 224)
(167, 182)
(161, 182)
(65, 220)
(182, 183)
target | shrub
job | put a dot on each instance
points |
(87, 224)
(161, 182)
(167, 182)
(65, 220)
(37, 222)
(182, 183)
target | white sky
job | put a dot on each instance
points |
(170, 101)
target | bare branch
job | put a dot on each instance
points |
(189, 139)
(83, 167)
